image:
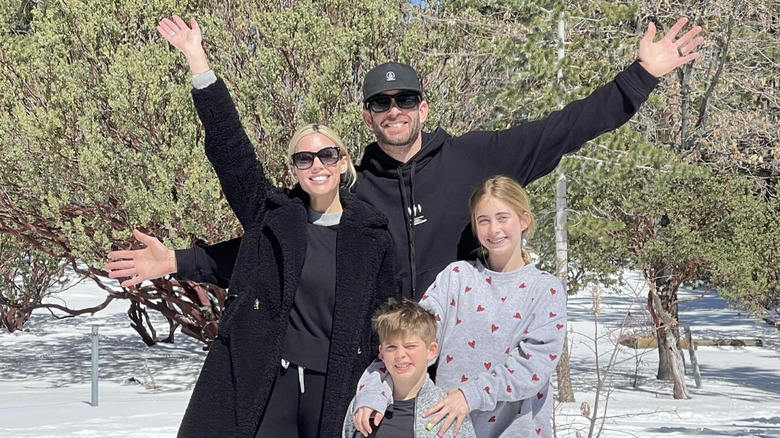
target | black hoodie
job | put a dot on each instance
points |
(426, 199)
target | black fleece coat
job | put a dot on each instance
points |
(237, 377)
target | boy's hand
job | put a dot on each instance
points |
(453, 407)
(362, 419)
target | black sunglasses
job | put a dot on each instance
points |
(304, 160)
(384, 102)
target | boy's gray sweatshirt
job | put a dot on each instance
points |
(500, 337)
(428, 396)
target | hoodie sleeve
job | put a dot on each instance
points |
(211, 264)
(532, 150)
(231, 153)
(528, 368)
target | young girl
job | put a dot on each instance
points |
(501, 327)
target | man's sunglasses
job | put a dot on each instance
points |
(384, 102)
(304, 160)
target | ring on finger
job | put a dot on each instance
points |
(679, 52)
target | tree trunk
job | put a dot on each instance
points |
(565, 390)
(670, 360)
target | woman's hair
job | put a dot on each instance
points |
(508, 191)
(397, 318)
(349, 178)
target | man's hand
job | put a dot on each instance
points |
(452, 408)
(362, 419)
(662, 56)
(140, 265)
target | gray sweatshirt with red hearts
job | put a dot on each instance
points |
(500, 337)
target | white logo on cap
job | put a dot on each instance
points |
(390, 76)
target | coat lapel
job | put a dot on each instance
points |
(286, 224)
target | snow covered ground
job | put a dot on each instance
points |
(45, 375)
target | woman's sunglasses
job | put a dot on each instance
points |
(383, 102)
(304, 160)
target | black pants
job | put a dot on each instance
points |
(290, 413)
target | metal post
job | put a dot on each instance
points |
(95, 365)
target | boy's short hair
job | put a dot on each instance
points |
(396, 318)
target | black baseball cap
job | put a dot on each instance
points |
(390, 76)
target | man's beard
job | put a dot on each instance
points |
(406, 140)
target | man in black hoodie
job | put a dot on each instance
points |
(422, 180)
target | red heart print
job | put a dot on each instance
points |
(522, 285)
(511, 371)
(517, 315)
(503, 299)
(507, 350)
(553, 315)
(480, 308)
(458, 321)
(553, 356)
(508, 388)
(539, 431)
(466, 290)
(493, 328)
(463, 378)
(539, 395)
(449, 358)
(528, 355)
(489, 280)
(425, 297)
(487, 389)
(472, 344)
(535, 378)
(361, 387)
(492, 419)
(559, 326)
(456, 269)
(487, 365)
(552, 291)
(452, 303)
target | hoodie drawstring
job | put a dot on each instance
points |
(409, 213)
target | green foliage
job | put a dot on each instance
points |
(27, 276)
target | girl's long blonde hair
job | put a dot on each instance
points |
(511, 193)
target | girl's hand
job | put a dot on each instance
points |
(451, 408)
(188, 39)
(362, 419)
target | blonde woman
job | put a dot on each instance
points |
(313, 265)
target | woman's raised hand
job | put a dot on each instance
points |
(140, 265)
(188, 39)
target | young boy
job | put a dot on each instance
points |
(407, 343)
